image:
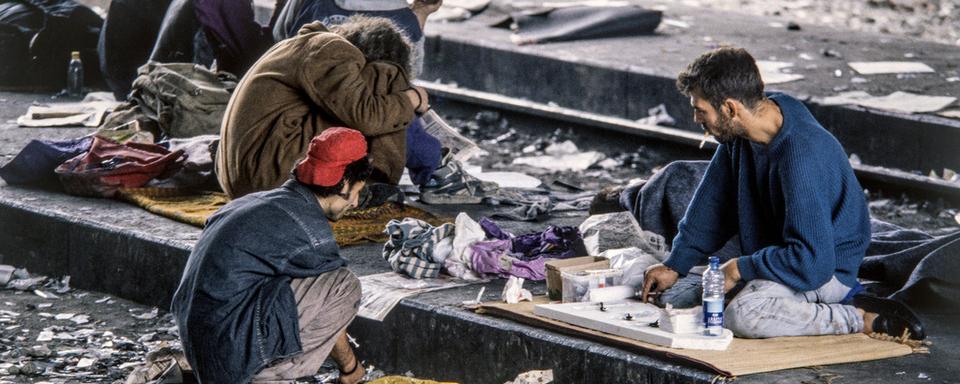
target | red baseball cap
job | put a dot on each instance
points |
(329, 154)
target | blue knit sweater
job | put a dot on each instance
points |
(796, 204)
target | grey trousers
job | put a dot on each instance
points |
(326, 304)
(764, 308)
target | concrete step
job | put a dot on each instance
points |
(624, 77)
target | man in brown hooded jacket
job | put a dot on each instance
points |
(353, 75)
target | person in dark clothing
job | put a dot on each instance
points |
(265, 295)
(782, 184)
(173, 31)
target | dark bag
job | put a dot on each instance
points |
(39, 36)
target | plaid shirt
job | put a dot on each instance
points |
(412, 248)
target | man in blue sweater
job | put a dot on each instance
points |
(783, 184)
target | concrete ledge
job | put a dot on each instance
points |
(112, 247)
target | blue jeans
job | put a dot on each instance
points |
(764, 308)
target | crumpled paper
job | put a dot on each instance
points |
(514, 293)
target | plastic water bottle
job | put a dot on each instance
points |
(713, 299)
(75, 75)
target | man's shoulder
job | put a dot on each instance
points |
(257, 207)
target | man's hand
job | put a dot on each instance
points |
(657, 278)
(731, 274)
(423, 8)
(426, 6)
(419, 99)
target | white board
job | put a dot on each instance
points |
(589, 315)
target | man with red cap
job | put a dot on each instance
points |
(265, 296)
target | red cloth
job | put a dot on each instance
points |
(109, 166)
(329, 154)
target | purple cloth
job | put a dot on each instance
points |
(237, 39)
(35, 163)
(493, 257)
(554, 242)
(493, 230)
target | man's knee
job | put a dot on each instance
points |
(755, 313)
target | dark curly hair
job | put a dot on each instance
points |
(355, 172)
(378, 38)
(723, 73)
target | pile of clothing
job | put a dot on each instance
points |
(164, 136)
(101, 164)
(472, 250)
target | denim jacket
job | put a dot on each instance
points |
(234, 308)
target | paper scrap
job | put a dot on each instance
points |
(883, 67)
(576, 162)
(772, 72)
(513, 291)
(88, 113)
(147, 315)
(45, 295)
(897, 102)
(383, 291)
(86, 363)
(45, 336)
(951, 113)
(509, 179)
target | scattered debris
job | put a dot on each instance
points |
(85, 363)
(776, 72)
(533, 377)
(147, 315)
(898, 101)
(658, 116)
(887, 67)
(563, 156)
(513, 291)
(6, 274)
(793, 26)
(831, 53)
(478, 300)
(45, 295)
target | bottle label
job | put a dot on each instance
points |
(713, 313)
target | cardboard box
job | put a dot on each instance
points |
(573, 264)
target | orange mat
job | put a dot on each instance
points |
(355, 227)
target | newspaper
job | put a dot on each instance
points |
(461, 148)
(382, 292)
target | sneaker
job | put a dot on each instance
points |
(894, 316)
(450, 184)
(606, 201)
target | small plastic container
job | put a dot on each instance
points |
(577, 284)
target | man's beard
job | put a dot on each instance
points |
(725, 131)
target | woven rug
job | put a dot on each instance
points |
(743, 357)
(194, 208)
